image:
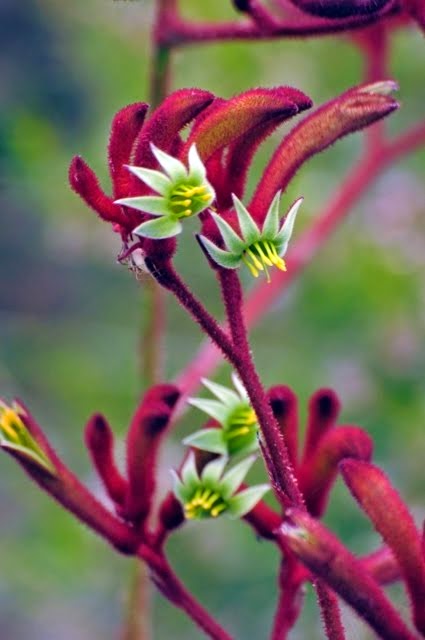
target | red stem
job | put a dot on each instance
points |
(331, 615)
(170, 586)
(282, 472)
(175, 31)
(291, 578)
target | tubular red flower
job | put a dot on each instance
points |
(319, 471)
(100, 443)
(391, 518)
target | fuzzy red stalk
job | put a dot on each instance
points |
(327, 558)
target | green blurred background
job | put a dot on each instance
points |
(70, 318)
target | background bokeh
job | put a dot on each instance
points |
(70, 317)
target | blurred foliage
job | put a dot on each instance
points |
(70, 318)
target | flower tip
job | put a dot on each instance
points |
(383, 87)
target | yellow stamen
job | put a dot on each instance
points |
(211, 501)
(218, 509)
(205, 197)
(187, 212)
(238, 432)
(252, 269)
(183, 203)
(254, 259)
(263, 256)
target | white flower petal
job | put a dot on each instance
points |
(271, 223)
(243, 502)
(227, 396)
(235, 476)
(197, 168)
(207, 440)
(249, 228)
(173, 167)
(284, 235)
(155, 205)
(154, 179)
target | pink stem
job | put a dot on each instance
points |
(170, 586)
(176, 32)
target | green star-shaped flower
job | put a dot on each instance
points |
(238, 422)
(256, 248)
(214, 493)
(182, 193)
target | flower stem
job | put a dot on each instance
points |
(282, 471)
(138, 623)
(331, 615)
(171, 587)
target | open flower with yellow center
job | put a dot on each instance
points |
(214, 492)
(257, 248)
(182, 193)
(15, 437)
(237, 419)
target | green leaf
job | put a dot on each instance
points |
(227, 396)
(249, 228)
(223, 258)
(207, 440)
(271, 223)
(235, 476)
(159, 228)
(284, 235)
(233, 242)
(243, 502)
(154, 179)
(155, 205)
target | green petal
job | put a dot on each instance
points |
(271, 223)
(235, 476)
(223, 258)
(249, 229)
(154, 179)
(227, 396)
(180, 490)
(246, 500)
(155, 205)
(239, 386)
(173, 167)
(213, 471)
(213, 408)
(34, 455)
(284, 235)
(159, 228)
(233, 242)
(207, 440)
(197, 169)
(189, 472)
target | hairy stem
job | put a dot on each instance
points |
(170, 586)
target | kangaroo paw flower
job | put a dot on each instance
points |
(183, 193)
(238, 423)
(214, 492)
(257, 248)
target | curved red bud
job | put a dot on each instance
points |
(163, 126)
(391, 518)
(100, 443)
(228, 121)
(143, 442)
(323, 410)
(351, 111)
(319, 471)
(125, 128)
(322, 552)
(84, 182)
(284, 404)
